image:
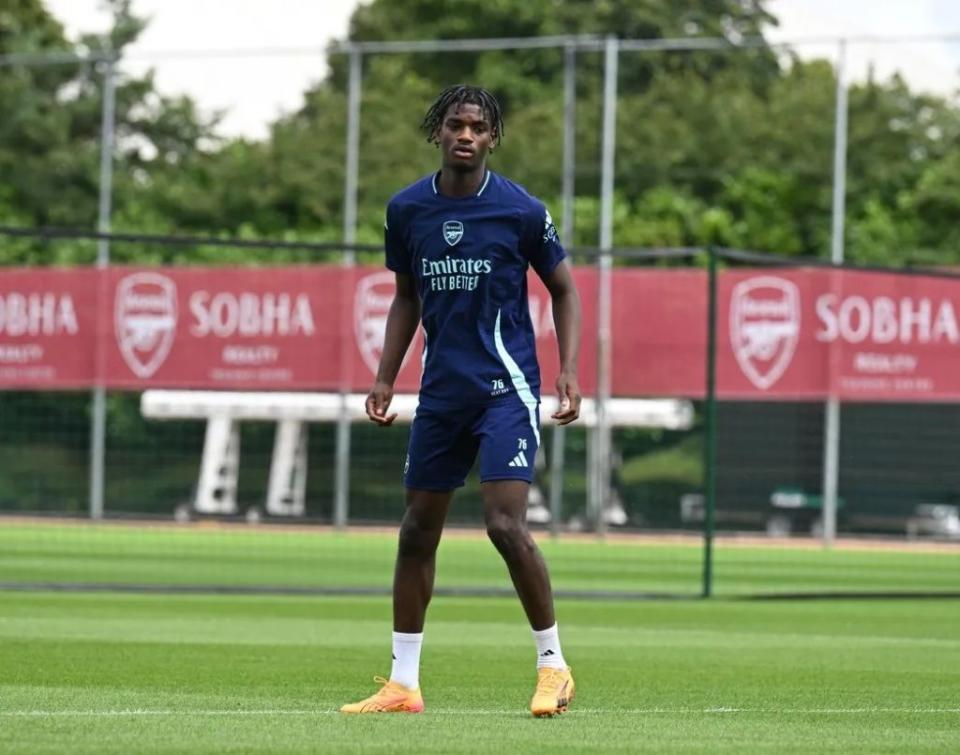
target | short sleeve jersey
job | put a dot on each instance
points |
(469, 258)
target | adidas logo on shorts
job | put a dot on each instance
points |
(519, 461)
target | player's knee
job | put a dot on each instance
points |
(417, 541)
(508, 533)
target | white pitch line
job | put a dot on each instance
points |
(454, 712)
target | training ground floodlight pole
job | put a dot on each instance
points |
(600, 489)
(831, 420)
(341, 503)
(566, 230)
(710, 426)
(98, 420)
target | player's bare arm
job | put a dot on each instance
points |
(566, 319)
(402, 323)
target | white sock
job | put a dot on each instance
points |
(549, 654)
(406, 659)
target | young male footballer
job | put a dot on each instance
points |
(460, 242)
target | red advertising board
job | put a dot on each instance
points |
(659, 332)
(855, 335)
(541, 313)
(231, 328)
(47, 328)
(372, 292)
(782, 334)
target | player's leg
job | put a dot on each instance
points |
(413, 576)
(505, 514)
(510, 440)
(505, 511)
(416, 564)
(440, 453)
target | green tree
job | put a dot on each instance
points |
(732, 146)
(50, 135)
(398, 87)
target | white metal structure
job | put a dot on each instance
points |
(286, 490)
(219, 467)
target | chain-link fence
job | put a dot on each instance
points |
(763, 519)
(609, 181)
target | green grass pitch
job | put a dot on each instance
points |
(304, 558)
(102, 673)
(129, 673)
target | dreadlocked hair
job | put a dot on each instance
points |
(462, 95)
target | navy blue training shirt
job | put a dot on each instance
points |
(469, 257)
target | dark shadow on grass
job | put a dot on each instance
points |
(456, 592)
(461, 592)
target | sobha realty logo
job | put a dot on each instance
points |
(452, 232)
(764, 327)
(371, 305)
(145, 320)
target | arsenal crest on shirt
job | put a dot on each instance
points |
(452, 232)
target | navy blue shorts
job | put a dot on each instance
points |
(444, 445)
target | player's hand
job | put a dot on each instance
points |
(569, 392)
(378, 401)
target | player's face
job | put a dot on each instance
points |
(465, 137)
